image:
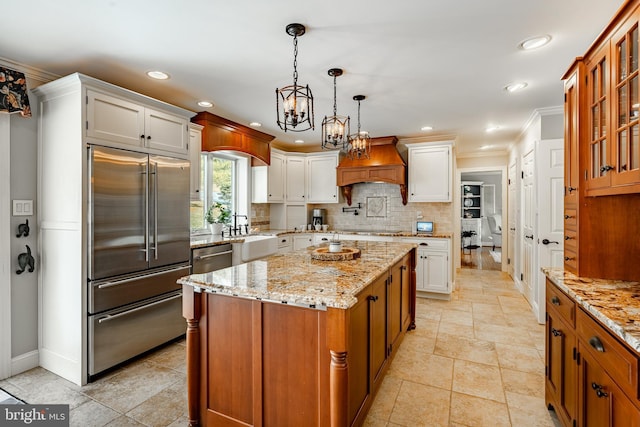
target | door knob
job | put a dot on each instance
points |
(547, 241)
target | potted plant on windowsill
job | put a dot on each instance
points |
(217, 216)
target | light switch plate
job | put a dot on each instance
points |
(22, 207)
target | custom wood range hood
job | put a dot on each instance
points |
(222, 134)
(384, 165)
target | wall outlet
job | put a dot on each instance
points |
(22, 207)
(419, 214)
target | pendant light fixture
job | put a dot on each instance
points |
(359, 146)
(296, 100)
(335, 129)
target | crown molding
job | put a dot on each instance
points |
(30, 72)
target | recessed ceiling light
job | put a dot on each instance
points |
(158, 75)
(492, 128)
(514, 87)
(535, 42)
(255, 124)
(205, 104)
(299, 141)
(426, 128)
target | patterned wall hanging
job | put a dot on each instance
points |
(13, 93)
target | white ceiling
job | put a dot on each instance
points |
(441, 63)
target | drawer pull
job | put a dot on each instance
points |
(373, 298)
(556, 333)
(596, 344)
(599, 392)
(568, 258)
(555, 300)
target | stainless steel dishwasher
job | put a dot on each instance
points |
(211, 258)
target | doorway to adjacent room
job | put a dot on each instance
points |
(481, 199)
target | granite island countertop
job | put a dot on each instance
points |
(295, 278)
(204, 240)
(615, 303)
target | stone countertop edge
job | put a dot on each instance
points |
(615, 303)
(295, 278)
(205, 240)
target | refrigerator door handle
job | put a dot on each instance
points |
(155, 210)
(133, 310)
(145, 172)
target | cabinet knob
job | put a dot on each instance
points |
(572, 189)
(598, 389)
(605, 168)
(596, 344)
(142, 136)
(555, 300)
(148, 137)
(556, 333)
(568, 216)
(568, 258)
(567, 238)
(373, 298)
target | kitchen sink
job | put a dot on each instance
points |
(258, 246)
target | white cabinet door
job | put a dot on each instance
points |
(321, 179)
(195, 145)
(430, 174)
(117, 120)
(165, 131)
(114, 119)
(301, 241)
(295, 179)
(275, 177)
(435, 272)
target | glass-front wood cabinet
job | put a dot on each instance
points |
(613, 129)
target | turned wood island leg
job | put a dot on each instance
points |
(191, 312)
(337, 340)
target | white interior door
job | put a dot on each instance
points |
(550, 211)
(528, 225)
(511, 243)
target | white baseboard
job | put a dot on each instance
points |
(24, 362)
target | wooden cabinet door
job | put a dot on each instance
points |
(295, 179)
(405, 297)
(321, 179)
(114, 119)
(625, 105)
(571, 137)
(358, 356)
(275, 176)
(430, 174)
(598, 143)
(394, 295)
(602, 401)
(378, 303)
(560, 367)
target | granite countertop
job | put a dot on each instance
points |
(204, 240)
(615, 303)
(294, 278)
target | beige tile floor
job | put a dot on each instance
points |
(476, 360)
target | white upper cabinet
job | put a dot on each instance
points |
(321, 178)
(268, 181)
(195, 146)
(430, 168)
(295, 179)
(118, 120)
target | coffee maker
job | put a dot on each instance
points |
(318, 216)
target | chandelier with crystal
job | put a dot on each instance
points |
(335, 129)
(294, 103)
(359, 144)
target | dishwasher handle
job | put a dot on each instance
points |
(201, 257)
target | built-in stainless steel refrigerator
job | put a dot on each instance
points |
(138, 247)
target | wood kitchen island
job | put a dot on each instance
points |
(293, 341)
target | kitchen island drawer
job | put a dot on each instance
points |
(561, 303)
(619, 362)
